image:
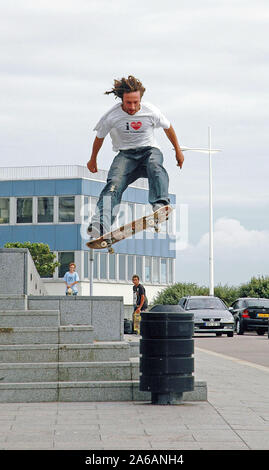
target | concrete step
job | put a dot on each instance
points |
(26, 318)
(96, 352)
(134, 341)
(13, 302)
(65, 372)
(46, 335)
(85, 392)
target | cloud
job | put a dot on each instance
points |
(239, 254)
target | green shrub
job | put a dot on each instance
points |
(257, 287)
(172, 294)
(43, 258)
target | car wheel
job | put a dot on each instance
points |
(218, 334)
(230, 335)
(260, 332)
(239, 328)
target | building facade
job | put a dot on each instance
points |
(53, 205)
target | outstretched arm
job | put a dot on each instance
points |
(92, 163)
(173, 139)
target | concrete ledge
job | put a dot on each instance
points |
(106, 351)
(84, 392)
(65, 372)
(27, 318)
(13, 302)
(198, 394)
(105, 314)
(19, 274)
(46, 335)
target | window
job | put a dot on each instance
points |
(131, 215)
(93, 205)
(86, 208)
(182, 301)
(140, 211)
(155, 270)
(147, 269)
(139, 267)
(66, 208)
(65, 257)
(45, 209)
(163, 271)
(4, 210)
(171, 222)
(24, 210)
(170, 270)
(86, 264)
(122, 267)
(121, 218)
(130, 266)
(103, 266)
(95, 265)
(112, 266)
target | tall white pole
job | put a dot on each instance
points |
(211, 248)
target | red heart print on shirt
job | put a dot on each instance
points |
(136, 125)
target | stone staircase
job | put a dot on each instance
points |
(41, 360)
(64, 348)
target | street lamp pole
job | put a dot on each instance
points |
(209, 150)
(211, 242)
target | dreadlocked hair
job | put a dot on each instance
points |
(126, 85)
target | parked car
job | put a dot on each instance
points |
(250, 314)
(210, 314)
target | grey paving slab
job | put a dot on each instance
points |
(223, 445)
(227, 421)
(73, 445)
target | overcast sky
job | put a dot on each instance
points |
(202, 63)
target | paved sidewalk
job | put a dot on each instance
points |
(235, 417)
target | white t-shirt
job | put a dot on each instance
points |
(131, 131)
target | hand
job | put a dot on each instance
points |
(92, 165)
(180, 159)
(138, 310)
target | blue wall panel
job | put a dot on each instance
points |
(50, 187)
(61, 237)
(45, 187)
(23, 188)
(45, 234)
(91, 188)
(5, 234)
(65, 186)
(66, 238)
(5, 188)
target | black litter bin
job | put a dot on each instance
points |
(166, 348)
(128, 326)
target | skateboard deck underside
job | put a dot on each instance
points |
(125, 231)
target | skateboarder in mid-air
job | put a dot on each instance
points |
(131, 125)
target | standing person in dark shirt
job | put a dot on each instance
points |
(140, 302)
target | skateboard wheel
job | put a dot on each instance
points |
(103, 244)
(111, 251)
(151, 222)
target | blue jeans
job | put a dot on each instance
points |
(127, 167)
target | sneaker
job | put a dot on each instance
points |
(95, 231)
(158, 205)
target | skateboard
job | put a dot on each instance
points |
(152, 220)
(136, 322)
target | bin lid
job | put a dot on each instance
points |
(167, 309)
